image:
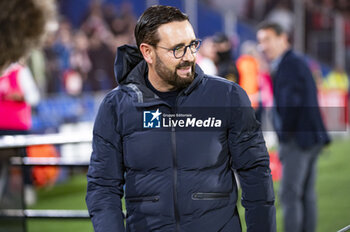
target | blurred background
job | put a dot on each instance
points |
(74, 70)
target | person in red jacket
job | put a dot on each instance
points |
(18, 93)
(24, 24)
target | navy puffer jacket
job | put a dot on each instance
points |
(176, 163)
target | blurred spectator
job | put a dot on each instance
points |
(73, 82)
(269, 5)
(121, 21)
(82, 60)
(319, 29)
(37, 65)
(80, 65)
(206, 57)
(122, 26)
(95, 23)
(347, 40)
(320, 12)
(343, 6)
(337, 79)
(20, 33)
(299, 126)
(255, 78)
(106, 29)
(64, 43)
(53, 67)
(101, 76)
(248, 69)
(58, 51)
(264, 80)
(224, 61)
(18, 93)
(283, 15)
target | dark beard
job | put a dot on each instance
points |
(171, 77)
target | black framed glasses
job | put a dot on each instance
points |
(180, 51)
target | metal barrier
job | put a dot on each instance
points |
(13, 211)
(347, 228)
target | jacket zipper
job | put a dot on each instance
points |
(142, 199)
(210, 196)
(173, 142)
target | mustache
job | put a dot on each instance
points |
(185, 64)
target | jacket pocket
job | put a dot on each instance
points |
(210, 196)
(143, 199)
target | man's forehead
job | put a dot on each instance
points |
(176, 32)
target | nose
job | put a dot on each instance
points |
(188, 56)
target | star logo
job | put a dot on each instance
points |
(156, 115)
(151, 119)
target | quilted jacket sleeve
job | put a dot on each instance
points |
(251, 161)
(106, 172)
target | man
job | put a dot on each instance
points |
(173, 135)
(299, 127)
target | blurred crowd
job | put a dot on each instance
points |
(319, 45)
(320, 16)
(319, 13)
(76, 60)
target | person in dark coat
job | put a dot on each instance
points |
(299, 126)
(168, 138)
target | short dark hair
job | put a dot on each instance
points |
(149, 22)
(277, 28)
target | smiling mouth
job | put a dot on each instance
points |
(184, 70)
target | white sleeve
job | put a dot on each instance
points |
(28, 86)
(208, 66)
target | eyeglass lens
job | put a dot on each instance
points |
(180, 51)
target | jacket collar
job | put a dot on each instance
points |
(276, 64)
(287, 53)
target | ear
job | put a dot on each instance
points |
(147, 52)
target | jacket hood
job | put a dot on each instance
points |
(127, 59)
